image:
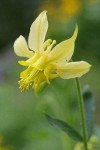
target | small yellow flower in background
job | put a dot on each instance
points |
(44, 60)
(93, 142)
(70, 7)
(2, 147)
(65, 9)
(80, 146)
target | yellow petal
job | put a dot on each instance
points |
(73, 69)
(38, 32)
(23, 63)
(40, 63)
(47, 72)
(29, 61)
(21, 48)
(65, 49)
(24, 74)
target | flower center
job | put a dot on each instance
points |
(39, 70)
(27, 78)
(36, 73)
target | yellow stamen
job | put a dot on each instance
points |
(33, 59)
(49, 48)
(26, 82)
(46, 43)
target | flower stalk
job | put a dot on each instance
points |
(82, 113)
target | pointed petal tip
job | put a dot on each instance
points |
(77, 27)
(73, 69)
(75, 32)
(43, 12)
(87, 64)
(38, 31)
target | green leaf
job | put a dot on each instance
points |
(64, 127)
(89, 109)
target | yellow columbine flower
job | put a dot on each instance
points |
(45, 62)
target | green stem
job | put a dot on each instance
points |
(83, 120)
